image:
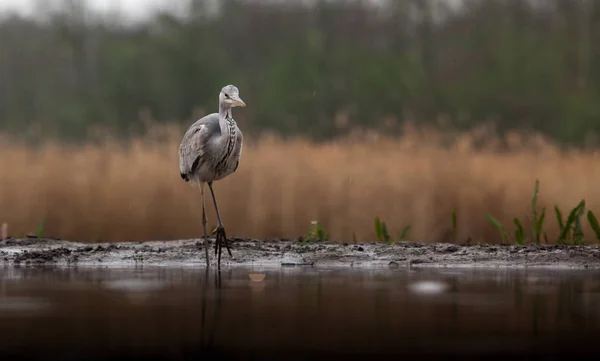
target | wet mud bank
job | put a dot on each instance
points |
(281, 253)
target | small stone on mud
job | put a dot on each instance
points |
(449, 249)
(393, 265)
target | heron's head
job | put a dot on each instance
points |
(230, 96)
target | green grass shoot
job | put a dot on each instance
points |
(519, 232)
(403, 234)
(381, 231)
(538, 222)
(39, 232)
(454, 224)
(593, 221)
(499, 227)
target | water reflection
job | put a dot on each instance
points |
(192, 313)
(22, 306)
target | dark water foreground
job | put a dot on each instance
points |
(54, 313)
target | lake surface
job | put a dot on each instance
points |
(295, 313)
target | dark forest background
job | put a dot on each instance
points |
(316, 69)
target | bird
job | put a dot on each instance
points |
(211, 150)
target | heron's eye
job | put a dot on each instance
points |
(226, 95)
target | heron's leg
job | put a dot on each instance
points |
(201, 185)
(220, 231)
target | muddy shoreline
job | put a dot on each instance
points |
(281, 253)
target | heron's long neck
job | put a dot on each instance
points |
(225, 111)
(228, 132)
(225, 118)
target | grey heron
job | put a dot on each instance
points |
(209, 151)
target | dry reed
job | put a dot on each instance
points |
(114, 192)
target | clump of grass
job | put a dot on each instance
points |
(570, 230)
(383, 235)
(315, 233)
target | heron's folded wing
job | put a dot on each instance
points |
(191, 149)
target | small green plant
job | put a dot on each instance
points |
(559, 219)
(578, 230)
(403, 234)
(381, 231)
(39, 232)
(571, 231)
(454, 224)
(519, 232)
(499, 227)
(384, 236)
(316, 233)
(538, 222)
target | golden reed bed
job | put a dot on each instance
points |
(114, 192)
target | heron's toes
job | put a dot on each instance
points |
(219, 234)
(221, 240)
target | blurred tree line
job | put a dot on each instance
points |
(313, 68)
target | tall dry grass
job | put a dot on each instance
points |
(119, 192)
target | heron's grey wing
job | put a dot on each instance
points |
(192, 150)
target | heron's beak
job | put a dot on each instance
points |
(237, 101)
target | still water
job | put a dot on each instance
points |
(295, 313)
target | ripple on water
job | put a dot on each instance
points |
(23, 305)
(137, 291)
(428, 287)
(135, 285)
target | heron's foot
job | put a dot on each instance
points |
(222, 229)
(220, 239)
